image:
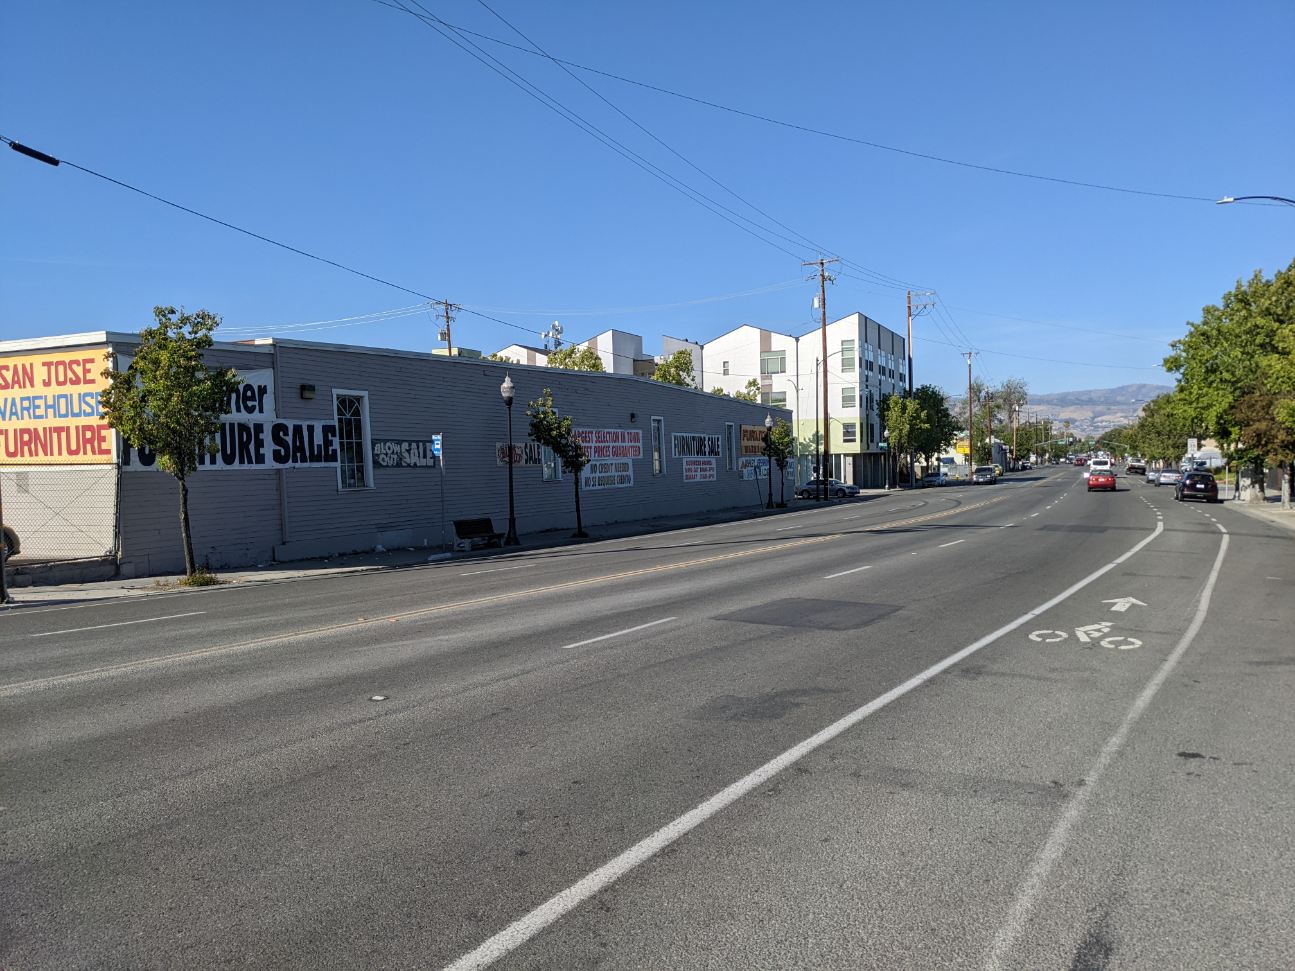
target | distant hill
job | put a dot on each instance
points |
(1096, 410)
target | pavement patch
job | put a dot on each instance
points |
(807, 614)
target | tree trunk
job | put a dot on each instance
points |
(580, 528)
(189, 568)
(1288, 473)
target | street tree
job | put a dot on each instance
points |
(576, 358)
(676, 369)
(939, 429)
(781, 445)
(750, 393)
(554, 431)
(170, 402)
(502, 358)
(717, 390)
(904, 420)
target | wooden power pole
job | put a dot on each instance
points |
(971, 437)
(445, 335)
(824, 469)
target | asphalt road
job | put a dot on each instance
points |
(920, 730)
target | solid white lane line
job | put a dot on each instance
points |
(783, 529)
(954, 543)
(1047, 857)
(120, 623)
(502, 569)
(562, 903)
(619, 633)
(833, 576)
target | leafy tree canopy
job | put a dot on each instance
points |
(750, 393)
(676, 369)
(576, 358)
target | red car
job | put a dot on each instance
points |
(1101, 479)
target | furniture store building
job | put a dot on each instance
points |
(330, 449)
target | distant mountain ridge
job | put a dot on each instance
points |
(1095, 410)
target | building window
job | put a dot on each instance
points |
(847, 356)
(778, 399)
(730, 446)
(552, 466)
(726, 369)
(849, 397)
(658, 446)
(773, 362)
(849, 432)
(352, 411)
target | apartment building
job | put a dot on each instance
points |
(621, 353)
(865, 362)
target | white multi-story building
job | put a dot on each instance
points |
(865, 362)
(620, 352)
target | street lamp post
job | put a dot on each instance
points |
(507, 392)
(768, 453)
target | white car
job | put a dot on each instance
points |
(1098, 465)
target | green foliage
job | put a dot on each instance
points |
(781, 443)
(201, 578)
(556, 432)
(168, 401)
(575, 358)
(750, 393)
(502, 358)
(675, 369)
(719, 391)
(939, 428)
(904, 419)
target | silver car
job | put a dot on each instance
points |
(1168, 477)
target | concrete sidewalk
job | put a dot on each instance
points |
(1270, 510)
(67, 594)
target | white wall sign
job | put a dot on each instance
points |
(699, 470)
(607, 474)
(611, 443)
(524, 453)
(695, 446)
(401, 453)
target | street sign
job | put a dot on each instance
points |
(436, 445)
(1193, 446)
(884, 446)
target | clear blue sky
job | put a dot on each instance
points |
(352, 130)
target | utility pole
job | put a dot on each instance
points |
(824, 473)
(925, 301)
(449, 310)
(971, 437)
(1016, 413)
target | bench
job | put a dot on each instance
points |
(474, 533)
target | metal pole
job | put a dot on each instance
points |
(818, 439)
(4, 553)
(971, 437)
(768, 455)
(511, 539)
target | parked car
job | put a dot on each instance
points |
(1197, 485)
(11, 545)
(983, 475)
(835, 487)
(1168, 477)
(935, 479)
(1101, 479)
(1026, 466)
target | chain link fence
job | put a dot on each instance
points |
(67, 513)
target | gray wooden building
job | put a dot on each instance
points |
(330, 449)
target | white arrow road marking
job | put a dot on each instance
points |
(1124, 603)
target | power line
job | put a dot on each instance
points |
(1013, 173)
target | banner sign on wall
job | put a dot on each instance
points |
(753, 440)
(250, 435)
(404, 453)
(696, 446)
(49, 409)
(753, 468)
(524, 453)
(611, 443)
(699, 470)
(607, 474)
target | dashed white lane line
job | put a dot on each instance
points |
(564, 901)
(833, 576)
(502, 569)
(618, 633)
(1033, 514)
(954, 543)
(120, 623)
